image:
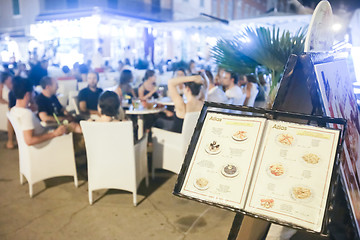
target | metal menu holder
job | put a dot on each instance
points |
(230, 163)
(320, 84)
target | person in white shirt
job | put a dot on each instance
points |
(251, 89)
(215, 94)
(33, 132)
(232, 91)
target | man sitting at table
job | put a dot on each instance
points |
(48, 103)
(232, 91)
(88, 97)
(33, 132)
(215, 94)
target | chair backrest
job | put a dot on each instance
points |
(189, 124)
(110, 154)
(24, 152)
(75, 104)
(66, 86)
(82, 85)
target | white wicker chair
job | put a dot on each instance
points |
(169, 148)
(49, 159)
(113, 159)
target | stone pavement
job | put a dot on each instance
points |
(59, 211)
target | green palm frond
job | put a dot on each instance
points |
(259, 46)
(227, 55)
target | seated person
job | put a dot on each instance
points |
(215, 94)
(109, 106)
(124, 87)
(180, 72)
(192, 91)
(48, 103)
(6, 98)
(251, 87)
(148, 88)
(5, 87)
(33, 132)
(232, 91)
(88, 97)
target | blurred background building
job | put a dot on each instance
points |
(68, 31)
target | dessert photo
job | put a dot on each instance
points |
(213, 147)
(230, 170)
(201, 183)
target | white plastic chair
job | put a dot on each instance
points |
(49, 159)
(82, 85)
(3, 119)
(66, 86)
(169, 148)
(113, 159)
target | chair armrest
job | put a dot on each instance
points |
(163, 135)
(54, 146)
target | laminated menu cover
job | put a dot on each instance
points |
(275, 169)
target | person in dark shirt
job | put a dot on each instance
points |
(48, 103)
(148, 88)
(88, 97)
(38, 72)
(12, 99)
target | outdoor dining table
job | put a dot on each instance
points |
(136, 115)
(165, 101)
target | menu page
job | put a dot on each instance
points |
(222, 164)
(293, 173)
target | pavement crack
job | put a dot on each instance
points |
(166, 218)
(72, 216)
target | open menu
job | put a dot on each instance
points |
(275, 169)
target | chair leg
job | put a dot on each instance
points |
(21, 179)
(153, 173)
(134, 199)
(76, 181)
(147, 180)
(90, 197)
(30, 190)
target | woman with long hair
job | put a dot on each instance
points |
(148, 88)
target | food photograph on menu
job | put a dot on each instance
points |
(270, 168)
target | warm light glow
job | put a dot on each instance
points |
(130, 32)
(336, 27)
(195, 37)
(177, 34)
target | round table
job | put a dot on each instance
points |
(143, 111)
(165, 101)
(136, 116)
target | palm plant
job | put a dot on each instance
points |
(259, 47)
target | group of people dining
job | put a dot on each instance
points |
(187, 92)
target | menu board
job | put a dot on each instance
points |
(223, 160)
(275, 169)
(293, 173)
